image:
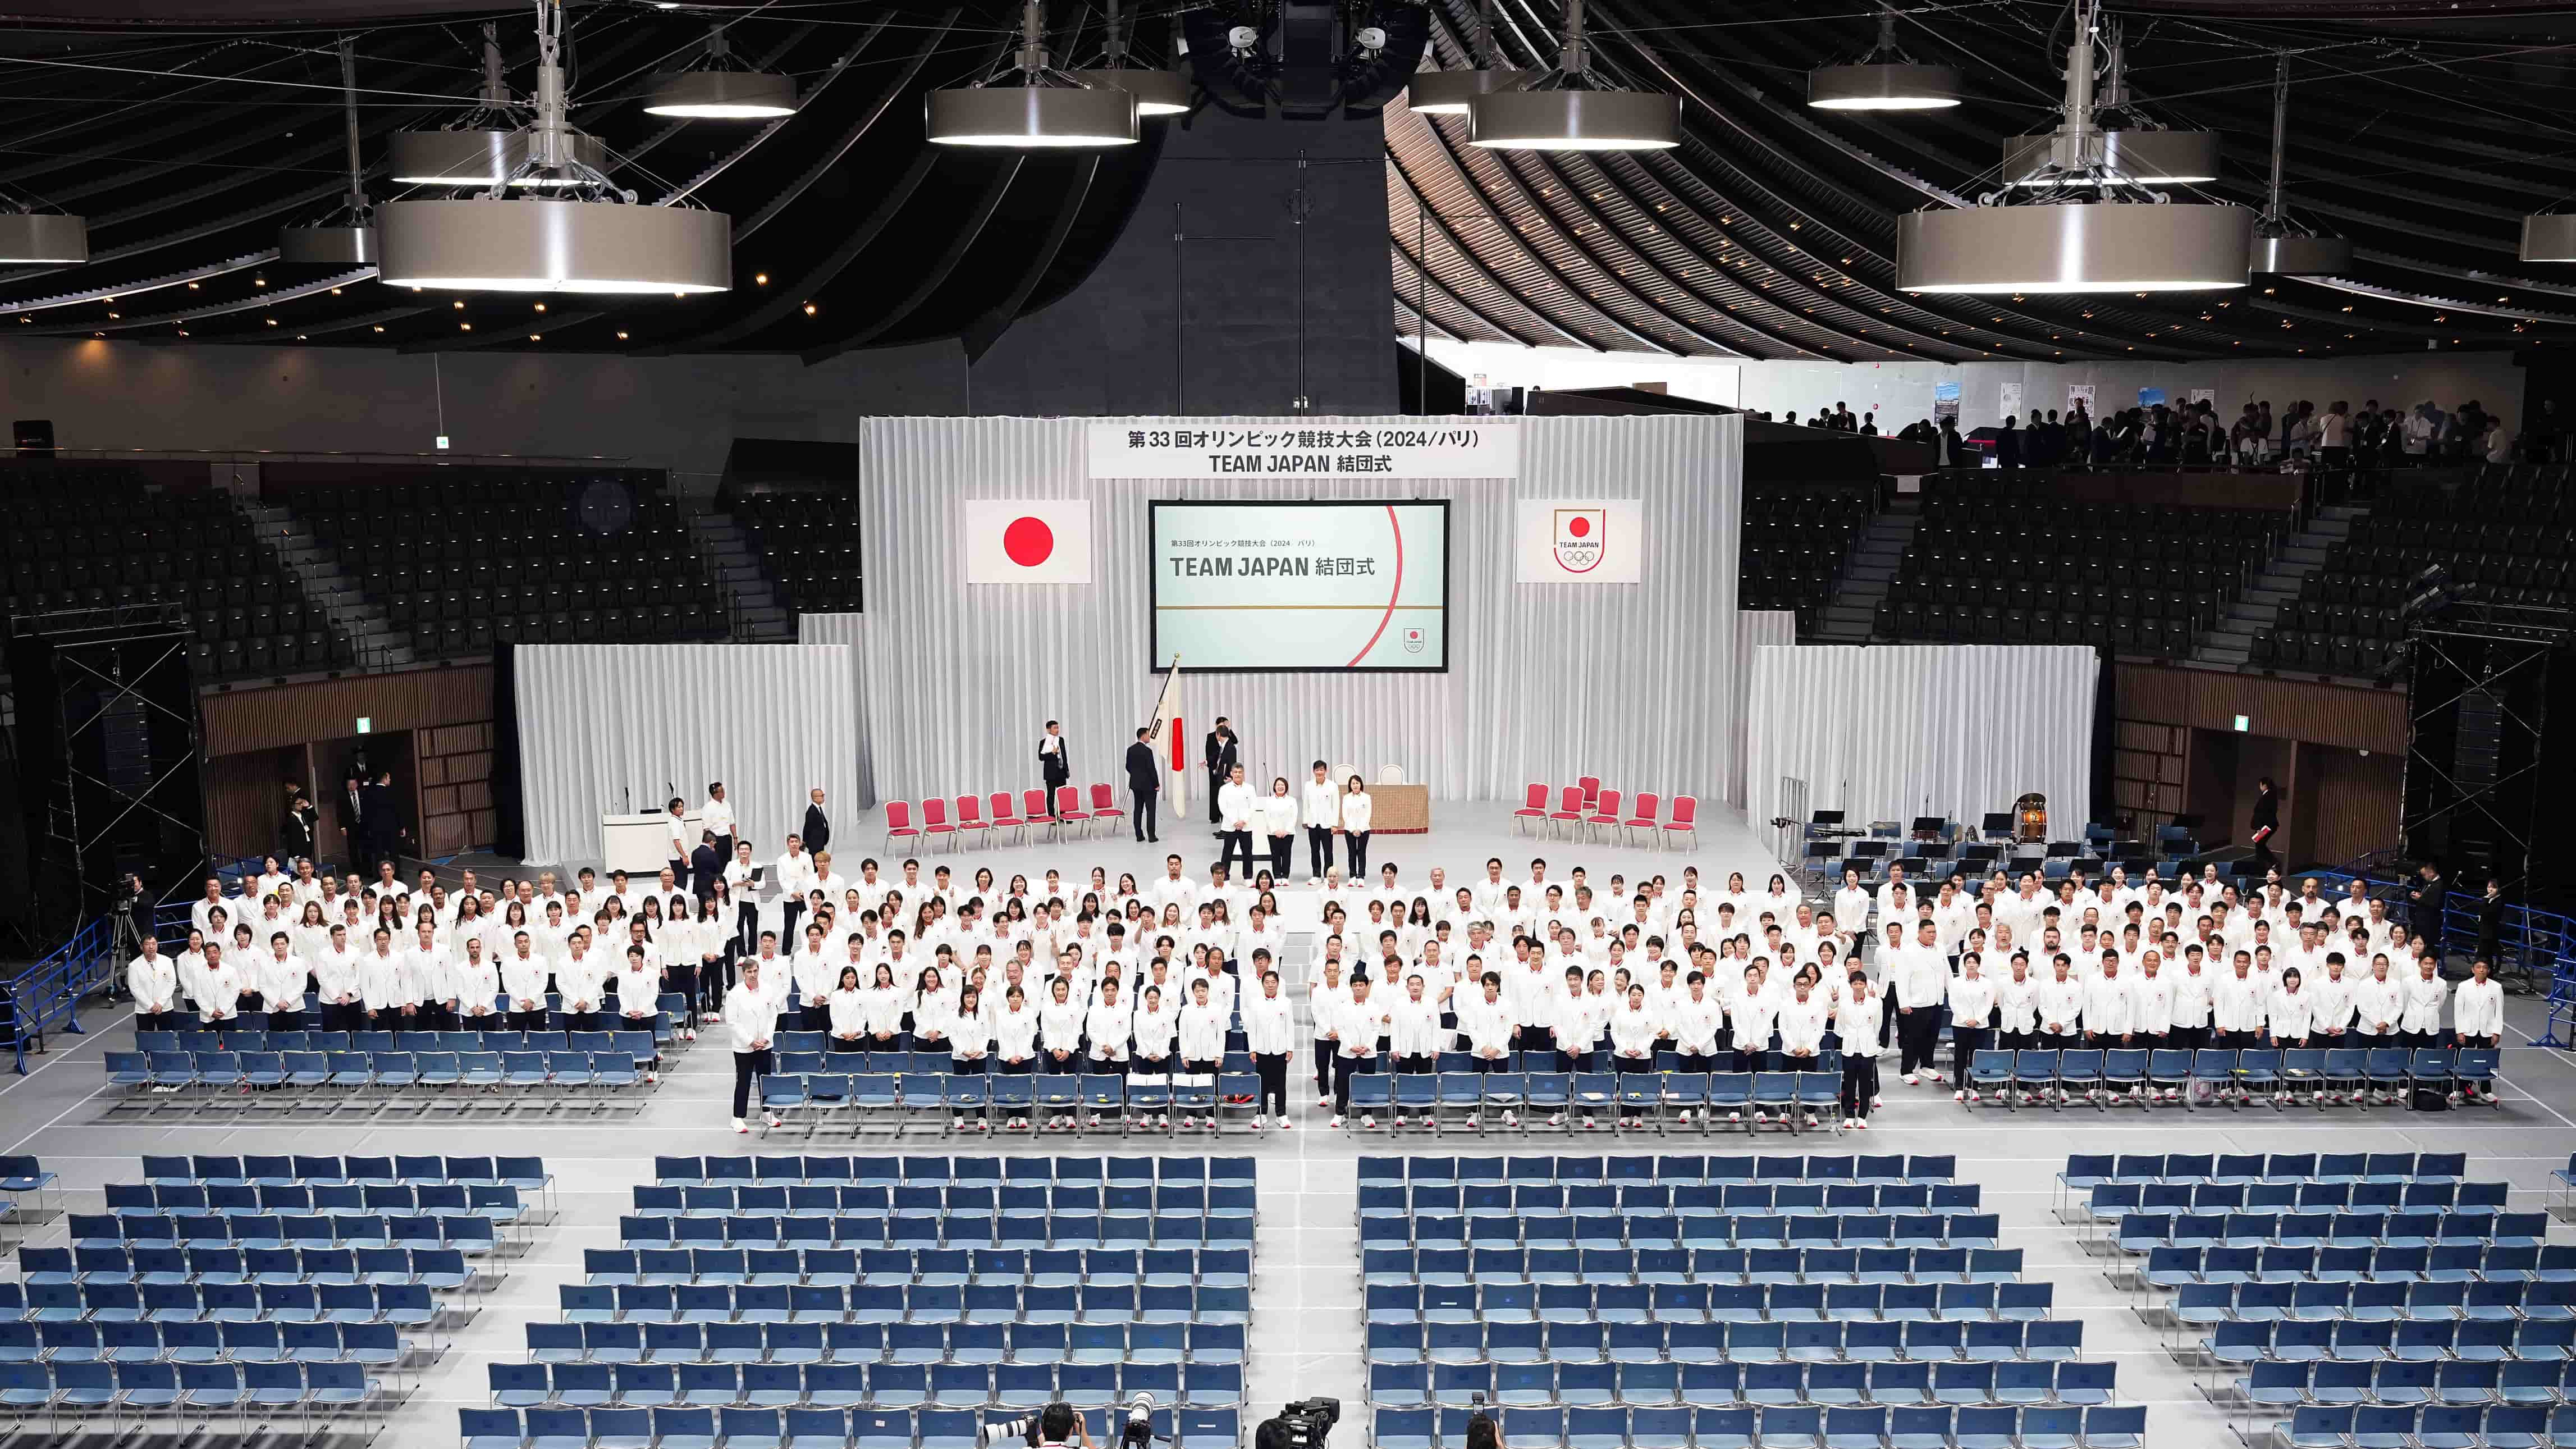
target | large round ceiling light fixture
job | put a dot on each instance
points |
(346, 234)
(2547, 236)
(1157, 92)
(1886, 79)
(487, 145)
(717, 88)
(2282, 247)
(2143, 152)
(1565, 109)
(575, 232)
(43, 236)
(2075, 223)
(1447, 92)
(1031, 105)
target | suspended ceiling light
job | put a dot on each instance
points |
(2144, 153)
(345, 235)
(2085, 228)
(1564, 109)
(1030, 105)
(2281, 247)
(42, 236)
(1886, 79)
(2548, 236)
(577, 233)
(486, 145)
(718, 88)
(1447, 92)
(1157, 92)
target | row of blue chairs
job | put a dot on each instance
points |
(1507, 1200)
(2286, 1384)
(497, 1201)
(110, 1267)
(1475, 1100)
(240, 1039)
(2433, 1426)
(982, 1343)
(1662, 1230)
(1678, 1169)
(2138, 1232)
(944, 1101)
(1003, 1230)
(921, 1169)
(352, 1074)
(472, 1234)
(2088, 1170)
(2113, 1199)
(2504, 1300)
(803, 1428)
(1812, 1339)
(1717, 1266)
(314, 1392)
(407, 1304)
(833, 1386)
(2172, 1267)
(924, 1307)
(2370, 1340)
(1791, 1426)
(903, 1267)
(824, 1200)
(2100, 1076)
(300, 1170)
(1657, 1385)
(1676, 1303)
(374, 1342)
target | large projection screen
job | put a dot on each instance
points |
(1319, 586)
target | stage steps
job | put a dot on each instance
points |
(757, 616)
(317, 567)
(1863, 582)
(2231, 644)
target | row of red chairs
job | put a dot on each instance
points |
(1585, 809)
(972, 821)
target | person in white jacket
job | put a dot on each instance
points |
(1971, 1002)
(1270, 1033)
(2477, 1019)
(1279, 824)
(2426, 992)
(1857, 1011)
(1356, 1025)
(2379, 1016)
(748, 1014)
(1921, 974)
(2287, 1015)
(1695, 1018)
(2017, 1006)
(1015, 1044)
(523, 984)
(476, 985)
(846, 1008)
(1356, 810)
(386, 985)
(1201, 1033)
(1322, 813)
(1239, 813)
(152, 979)
(279, 978)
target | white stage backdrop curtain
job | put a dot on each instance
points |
(1636, 683)
(597, 721)
(848, 631)
(1889, 732)
(1754, 629)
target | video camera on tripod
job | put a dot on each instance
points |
(1061, 1423)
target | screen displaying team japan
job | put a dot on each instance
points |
(1302, 586)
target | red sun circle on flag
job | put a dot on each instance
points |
(1579, 526)
(1028, 541)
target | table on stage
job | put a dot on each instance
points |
(639, 845)
(1399, 809)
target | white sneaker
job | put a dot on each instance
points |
(1761, 1119)
(1876, 1101)
(772, 1119)
(1286, 1125)
(1095, 1119)
(652, 1077)
(740, 1125)
(1861, 1125)
(1958, 1096)
(1259, 1121)
(1850, 1122)
(1336, 1122)
(1399, 1122)
(1556, 1119)
(1811, 1119)
(1735, 1117)
(1909, 1079)
(1368, 1124)
(1976, 1096)
(1685, 1114)
(1324, 1101)
(1510, 1120)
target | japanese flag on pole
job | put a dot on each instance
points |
(1027, 540)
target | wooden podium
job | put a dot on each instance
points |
(639, 845)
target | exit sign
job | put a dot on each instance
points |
(367, 723)
(2243, 723)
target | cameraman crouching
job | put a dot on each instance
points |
(1057, 1426)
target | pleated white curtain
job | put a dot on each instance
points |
(1754, 629)
(1889, 732)
(848, 631)
(1638, 684)
(600, 724)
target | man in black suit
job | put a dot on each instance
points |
(1053, 762)
(818, 829)
(381, 818)
(1144, 786)
(1223, 753)
(706, 865)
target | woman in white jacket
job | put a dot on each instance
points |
(677, 937)
(1278, 819)
(847, 1004)
(1270, 1032)
(1015, 1045)
(2288, 1013)
(1356, 808)
(1201, 1032)
(1107, 1028)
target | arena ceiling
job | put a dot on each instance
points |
(188, 131)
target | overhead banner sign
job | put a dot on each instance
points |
(1581, 540)
(1188, 448)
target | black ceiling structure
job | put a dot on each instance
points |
(188, 134)
(2424, 132)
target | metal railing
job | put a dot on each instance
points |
(2539, 942)
(47, 996)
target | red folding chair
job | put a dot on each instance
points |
(934, 818)
(1591, 789)
(1104, 807)
(970, 817)
(1004, 818)
(1533, 807)
(1033, 806)
(1569, 806)
(1685, 810)
(899, 824)
(1605, 813)
(1643, 818)
(1068, 807)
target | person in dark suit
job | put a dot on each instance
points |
(818, 827)
(2492, 908)
(1144, 786)
(2266, 823)
(2008, 443)
(706, 865)
(381, 818)
(295, 835)
(1055, 763)
(1222, 753)
(2425, 902)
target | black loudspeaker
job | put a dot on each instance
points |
(35, 437)
(2491, 715)
(110, 758)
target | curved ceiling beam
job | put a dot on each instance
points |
(1475, 262)
(753, 142)
(820, 275)
(2447, 304)
(832, 155)
(261, 302)
(937, 275)
(1432, 273)
(993, 321)
(241, 263)
(1419, 321)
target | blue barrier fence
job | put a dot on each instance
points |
(48, 995)
(2542, 942)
